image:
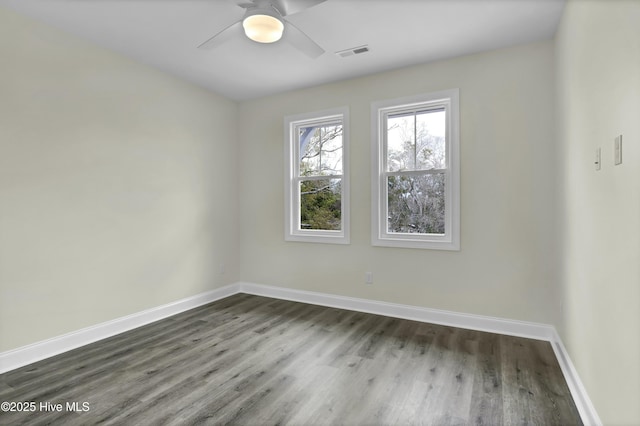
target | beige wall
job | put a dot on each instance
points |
(116, 185)
(506, 267)
(598, 86)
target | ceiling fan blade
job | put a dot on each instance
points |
(224, 35)
(301, 41)
(289, 7)
(247, 5)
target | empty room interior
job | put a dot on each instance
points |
(389, 212)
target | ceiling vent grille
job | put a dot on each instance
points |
(353, 51)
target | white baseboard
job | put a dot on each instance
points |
(416, 313)
(578, 392)
(29, 354)
(25, 355)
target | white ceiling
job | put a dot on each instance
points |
(166, 33)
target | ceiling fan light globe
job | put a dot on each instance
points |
(263, 28)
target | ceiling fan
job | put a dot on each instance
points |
(264, 22)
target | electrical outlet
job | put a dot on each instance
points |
(368, 278)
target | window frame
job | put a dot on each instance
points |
(380, 110)
(292, 229)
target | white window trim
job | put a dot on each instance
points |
(379, 234)
(292, 231)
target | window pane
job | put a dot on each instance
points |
(400, 146)
(430, 140)
(321, 204)
(320, 150)
(416, 141)
(416, 204)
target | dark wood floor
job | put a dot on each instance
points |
(254, 360)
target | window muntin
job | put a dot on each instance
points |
(316, 185)
(415, 193)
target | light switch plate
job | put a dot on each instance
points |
(597, 158)
(617, 150)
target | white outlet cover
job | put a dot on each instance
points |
(617, 150)
(368, 278)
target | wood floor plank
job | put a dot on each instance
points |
(259, 361)
(486, 405)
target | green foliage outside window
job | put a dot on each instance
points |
(320, 204)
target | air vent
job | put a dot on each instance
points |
(353, 51)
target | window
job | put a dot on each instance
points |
(415, 172)
(316, 180)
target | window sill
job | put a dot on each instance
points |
(323, 239)
(416, 244)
